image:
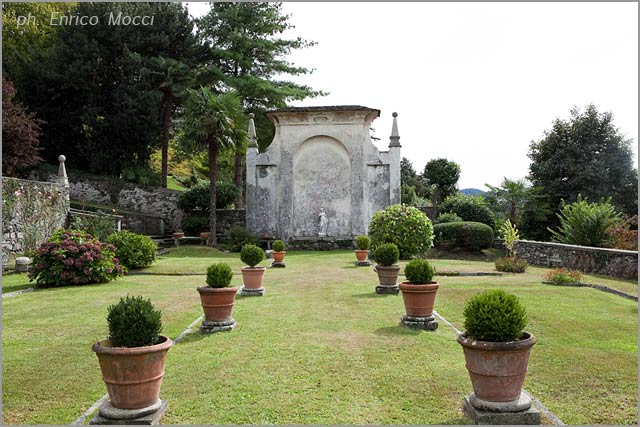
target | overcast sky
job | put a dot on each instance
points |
(472, 82)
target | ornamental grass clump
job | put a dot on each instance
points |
(560, 276)
(386, 255)
(419, 272)
(134, 322)
(278, 246)
(74, 257)
(219, 275)
(251, 255)
(362, 243)
(133, 250)
(494, 315)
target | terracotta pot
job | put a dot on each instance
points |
(252, 277)
(362, 256)
(204, 235)
(132, 375)
(497, 369)
(387, 275)
(279, 256)
(419, 300)
(178, 235)
(217, 303)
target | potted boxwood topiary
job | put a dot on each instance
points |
(132, 359)
(362, 250)
(386, 256)
(278, 251)
(419, 294)
(496, 350)
(252, 276)
(217, 299)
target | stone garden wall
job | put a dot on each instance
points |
(609, 262)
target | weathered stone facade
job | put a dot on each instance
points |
(321, 158)
(609, 262)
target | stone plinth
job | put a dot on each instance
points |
(208, 327)
(250, 292)
(276, 264)
(519, 412)
(22, 264)
(428, 323)
(151, 415)
(387, 290)
(363, 263)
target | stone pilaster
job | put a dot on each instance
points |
(394, 163)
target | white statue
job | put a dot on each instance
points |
(324, 222)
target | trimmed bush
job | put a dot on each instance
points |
(239, 236)
(494, 315)
(73, 257)
(404, 226)
(465, 235)
(197, 197)
(386, 255)
(251, 255)
(133, 250)
(448, 217)
(194, 224)
(469, 208)
(362, 243)
(278, 246)
(511, 264)
(419, 272)
(562, 275)
(134, 322)
(219, 275)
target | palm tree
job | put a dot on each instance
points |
(214, 121)
(511, 196)
(174, 78)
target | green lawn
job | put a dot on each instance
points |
(319, 348)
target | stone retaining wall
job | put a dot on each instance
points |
(609, 262)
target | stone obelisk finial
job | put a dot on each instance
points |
(394, 139)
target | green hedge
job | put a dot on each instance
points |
(464, 235)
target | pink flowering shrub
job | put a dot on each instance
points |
(73, 257)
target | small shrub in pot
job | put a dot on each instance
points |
(419, 271)
(219, 275)
(134, 322)
(362, 243)
(386, 254)
(495, 316)
(251, 255)
(278, 246)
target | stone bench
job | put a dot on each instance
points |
(188, 239)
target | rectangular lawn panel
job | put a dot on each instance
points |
(319, 348)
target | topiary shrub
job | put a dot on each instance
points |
(251, 255)
(494, 315)
(219, 275)
(447, 217)
(405, 226)
(278, 246)
(465, 235)
(134, 322)
(362, 243)
(559, 276)
(419, 272)
(239, 236)
(386, 254)
(511, 264)
(469, 208)
(133, 250)
(73, 257)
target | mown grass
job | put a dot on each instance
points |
(319, 348)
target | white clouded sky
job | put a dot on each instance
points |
(471, 82)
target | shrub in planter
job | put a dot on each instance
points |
(465, 235)
(134, 322)
(562, 275)
(386, 254)
(217, 298)
(405, 226)
(278, 251)
(251, 255)
(73, 257)
(278, 246)
(511, 264)
(419, 291)
(252, 276)
(219, 275)
(133, 250)
(419, 271)
(362, 243)
(494, 315)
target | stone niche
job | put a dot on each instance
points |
(321, 158)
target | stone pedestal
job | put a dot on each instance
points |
(363, 263)
(276, 264)
(517, 412)
(428, 323)
(387, 289)
(22, 264)
(250, 292)
(151, 415)
(208, 327)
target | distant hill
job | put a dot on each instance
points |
(472, 192)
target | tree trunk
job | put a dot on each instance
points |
(213, 176)
(166, 125)
(238, 181)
